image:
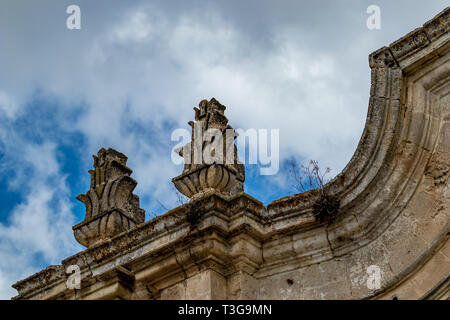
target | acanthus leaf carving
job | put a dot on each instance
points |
(111, 206)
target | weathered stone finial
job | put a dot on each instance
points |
(211, 161)
(111, 206)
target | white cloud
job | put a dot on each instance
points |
(41, 223)
(136, 28)
(8, 105)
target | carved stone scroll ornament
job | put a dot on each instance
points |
(111, 206)
(222, 172)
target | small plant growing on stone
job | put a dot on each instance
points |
(193, 212)
(181, 198)
(326, 206)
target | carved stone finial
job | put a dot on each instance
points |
(211, 161)
(111, 206)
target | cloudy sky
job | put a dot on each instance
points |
(133, 73)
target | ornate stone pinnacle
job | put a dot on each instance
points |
(211, 161)
(111, 206)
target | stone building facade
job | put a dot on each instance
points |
(392, 222)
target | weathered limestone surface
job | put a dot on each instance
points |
(206, 167)
(111, 206)
(394, 213)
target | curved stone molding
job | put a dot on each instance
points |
(394, 212)
(209, 178)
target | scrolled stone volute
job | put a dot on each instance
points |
(223, 173)
(111, 206)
